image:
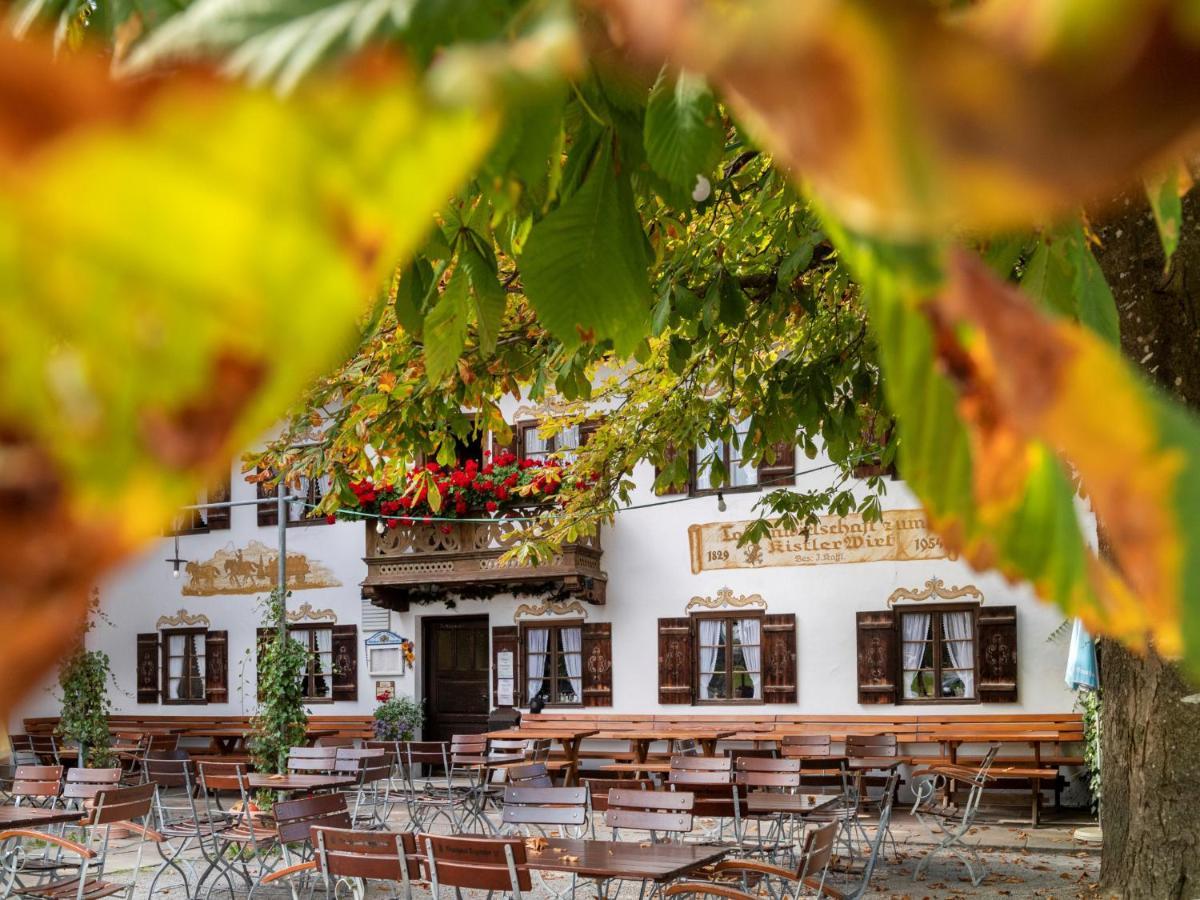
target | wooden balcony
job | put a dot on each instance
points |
(422, 564)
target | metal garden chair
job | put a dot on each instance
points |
(946, 821)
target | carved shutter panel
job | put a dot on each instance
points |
(597, 664)
(783, 470)
(147, 668)
(216, 667)
(680, 488)
(675, 660)
(345, 662)
(218, 518)
(778, 656)
(505, 640)
(997, 654)
(262, 637)
(877, 657)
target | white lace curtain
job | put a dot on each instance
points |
(751, 632)
(711, 631)
(959, 640)
(572, 645)
(538, 642)
(915, 631)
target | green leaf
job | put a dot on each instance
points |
(584, 265)
(1165, 193)
(411, 291)
(683, 132)
(733, 301)
(798, 260)
(1097, 307)
(446, 327)
(488, 296)
(1050, 278)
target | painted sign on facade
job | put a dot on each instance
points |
(903, 534)
(253, 569)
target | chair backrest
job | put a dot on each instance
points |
(701, 770)
(45, 747)
(294, 819)
(537, 749)
(168, 771)
(336, 741)
(122, 804)
(669, 811)
(488, 864)
(371, 855)
(805, 745)
(84, 784)
(468, 745)
(36, 782)
(425, 753)
(545, 806)
(870, 745)
(816, 853)
(598, 789)
(369, 765)
(530, 775)
(312, 759)
(21, 743)
(736, 753)
(755, 772)
(161, 744)
(222, 776)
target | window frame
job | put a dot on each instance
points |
(694, 488)
(164, 665)
(552, 652)
(190, 521)
(935, 609)
(524, 424)
(696, 674)
(310, 629)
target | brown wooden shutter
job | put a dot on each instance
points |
(219, 517)
(505, 639)
(997, 654)
(588, 428)
(666, 490)
(268, 513)
(782, 472)
(147, 668)
(345, 662)
(597, 664)
(216, 666)
(261, 639)
(778, 656)
(877, 656)
(675, 660)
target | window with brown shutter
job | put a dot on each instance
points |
(345, 662)
(311, 491)
(997, 654)
(505, 640)
(936, 645)
(184, 663)
(218, 518)
(779, 658)
(597, 664)
(781, 472)
(216, 671)
(147, 668)
(268, 513)
(675, 660)
(877, 662)
(552, 660)
(728, 657)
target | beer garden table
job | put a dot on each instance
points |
(227, 741)
(623, 859)
(296, 783)
(36, 816)
(641, 740)
(569, 738)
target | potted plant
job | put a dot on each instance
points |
(398, 719)
(85, 707)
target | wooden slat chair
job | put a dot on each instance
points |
(764, 774)
(946, 821)
(183, 825)
(485, 864)
(470, 766)
(312, 760)
(816, 774)
(36, 785)
(45, 748)
(372, 793)
(130, 807)
(710, 780)
(658, 812)
(809, 874)
(249, 836)
(295, 824)
(22, 750)
(873, 746)
(427, 786)
(534, 774)
(529, 809)
(82, 784)
(346, 860)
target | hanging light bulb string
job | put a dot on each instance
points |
(722, 506)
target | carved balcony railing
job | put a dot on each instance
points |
(423, 563)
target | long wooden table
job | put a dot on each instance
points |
(623, 859)
(294, 783)
(570, 739)
(36, 816)
(640, 741)
(228, 741)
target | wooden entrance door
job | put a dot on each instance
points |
(457, 678)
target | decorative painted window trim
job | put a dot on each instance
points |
(305, 611)
(550, 608)
(725, 598)
(182, 619)
(936, 589)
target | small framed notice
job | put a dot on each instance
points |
(504, 665)
(504, 691)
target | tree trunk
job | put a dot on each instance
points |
(1150, 740)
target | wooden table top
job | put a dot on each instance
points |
(298, 782)
(857, 763)
(669, 734)
(776, 802)
(554, 734)
(629, 859)
(36, 817)
(234, 731)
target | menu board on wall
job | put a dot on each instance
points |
(903, 534)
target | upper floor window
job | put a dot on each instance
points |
(554, 663)
(317, 681)
(727, 457)
(729, 658)
(308, 493)
(937, 653)
(533, 445)
(203, 519)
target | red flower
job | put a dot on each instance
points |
(331, 518)
(392, 523)
(501, 493)
(488, 469)
(405, 520)
(428, 520)
(491, 506)
(433, 467)
(460, 507)
(445, 529)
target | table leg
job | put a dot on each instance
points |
(709, 746)
(641, 750)
(571, 751)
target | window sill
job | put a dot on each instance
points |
(712, 492)
(748, 701)
(184, 702)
